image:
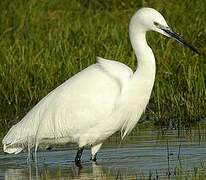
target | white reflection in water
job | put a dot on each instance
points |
(32, 172)
(146, 152)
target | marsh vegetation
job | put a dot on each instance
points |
(43, 43)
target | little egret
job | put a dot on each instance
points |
(98, 101)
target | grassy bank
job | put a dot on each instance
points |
(43, 43)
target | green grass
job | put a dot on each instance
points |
(43, 43)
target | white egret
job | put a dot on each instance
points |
(98, 101)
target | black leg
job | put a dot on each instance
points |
(78, 157)
(49, 148)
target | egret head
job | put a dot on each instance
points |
(149, 19)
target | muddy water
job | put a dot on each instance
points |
(143, 154)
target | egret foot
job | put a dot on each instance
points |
(78, 157)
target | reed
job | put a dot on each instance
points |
(43, 43)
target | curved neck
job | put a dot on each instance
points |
(144, 54)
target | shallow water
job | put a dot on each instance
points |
(143, 154)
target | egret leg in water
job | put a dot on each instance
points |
(78, 157)
(102, 99)
(94, 150)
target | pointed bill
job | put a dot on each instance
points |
(174, 35)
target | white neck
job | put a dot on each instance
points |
(139, 88)
(145, 57)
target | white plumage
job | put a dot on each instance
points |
(95, 103)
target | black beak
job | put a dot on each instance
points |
(179, 38)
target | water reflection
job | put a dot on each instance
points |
(95, 171)
(143, 154)
(11, 174)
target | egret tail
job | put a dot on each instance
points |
(19, 137)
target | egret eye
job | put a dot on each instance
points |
(157, 24)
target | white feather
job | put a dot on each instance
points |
(95, 103)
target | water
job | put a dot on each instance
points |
(144, 154)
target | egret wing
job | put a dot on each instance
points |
(82, 102)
